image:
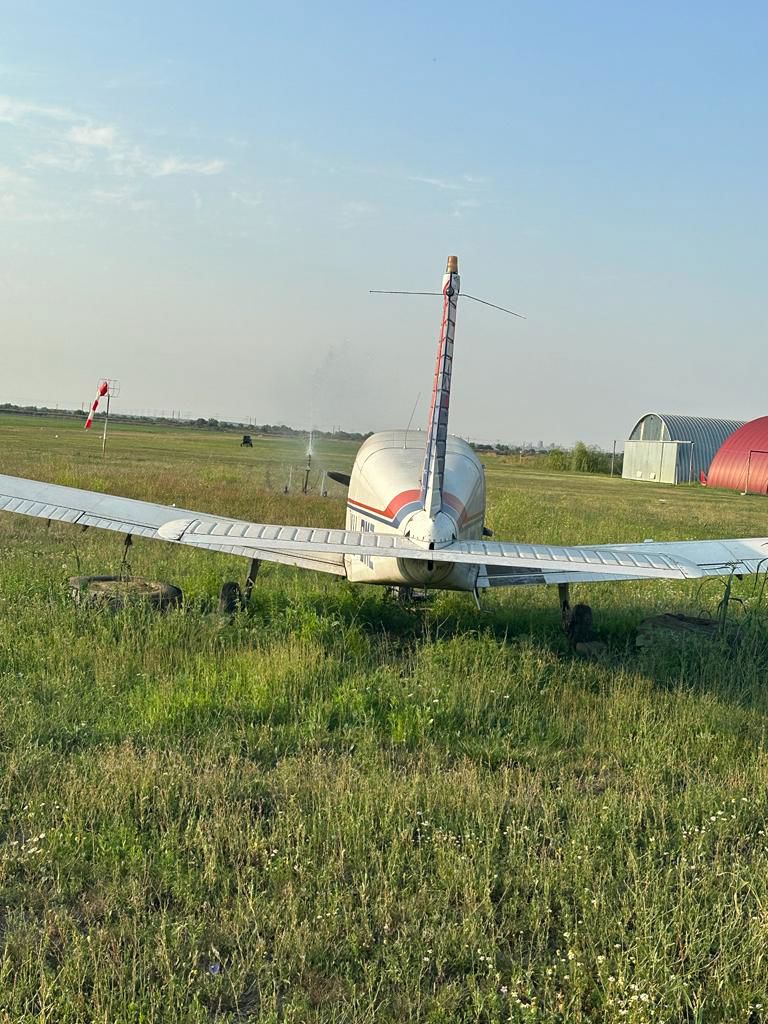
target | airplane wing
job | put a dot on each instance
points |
(127, 515)
(700, 558)
(325, 549)
(505, 561)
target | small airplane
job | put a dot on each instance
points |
(415, 518)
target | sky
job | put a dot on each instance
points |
(195, 199)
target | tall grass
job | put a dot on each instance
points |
(331, 808)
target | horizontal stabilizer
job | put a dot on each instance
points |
(340, 478)
(257, 537)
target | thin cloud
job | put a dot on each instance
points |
(17, 72)
(461, 206)
(359, 207)
(71, 162)
(246, 200)
(14, 111)
(14, 188)
(21, 209)
(355, 211)
(440, 183)
(175, 165)
(74, 142)
(10, 177)
(106, 167)
(8, 201)
(138, 78)
(102, 136)
(113, 196)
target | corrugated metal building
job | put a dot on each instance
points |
(741, 464)
(673, 449)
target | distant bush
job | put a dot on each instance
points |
(591, 459)
(582, 458)
(558, 459)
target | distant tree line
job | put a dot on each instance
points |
(582, 458)
(41, 410)
(201, 423)
(278, 430)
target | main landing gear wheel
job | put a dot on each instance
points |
(576, 620)
(231, 598)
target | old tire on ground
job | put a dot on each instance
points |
(116, 592)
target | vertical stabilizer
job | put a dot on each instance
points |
(437, 428)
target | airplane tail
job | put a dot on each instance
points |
(437, 428)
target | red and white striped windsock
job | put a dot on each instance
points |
(103, 389)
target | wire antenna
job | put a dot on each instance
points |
(410, 421)
(385, 291)
(493, 305)
(464, 295)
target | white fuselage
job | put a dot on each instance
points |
(384, 497)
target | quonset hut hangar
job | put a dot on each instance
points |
(674, 449)
(741, 464)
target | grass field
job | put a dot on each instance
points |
(331, 808)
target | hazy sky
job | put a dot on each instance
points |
(196, 197)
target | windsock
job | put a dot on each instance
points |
(103, 389)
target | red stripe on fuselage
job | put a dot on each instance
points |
(405, 497)
(393, 507)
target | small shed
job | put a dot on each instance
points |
(741, 464)
(672, 449)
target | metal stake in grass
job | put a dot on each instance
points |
(305, 485)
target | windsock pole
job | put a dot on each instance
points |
(106, 422)
(107, 388)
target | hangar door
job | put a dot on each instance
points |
(757, 473)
